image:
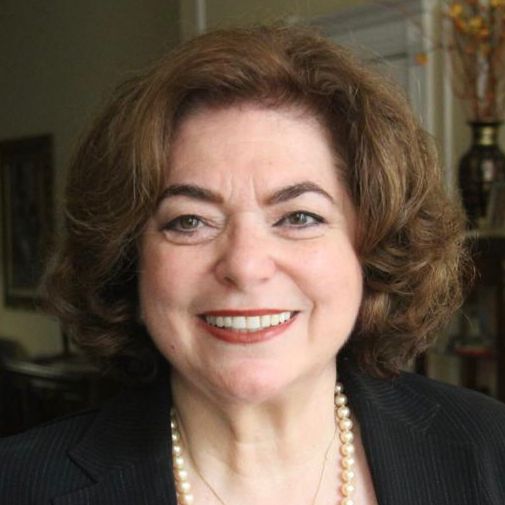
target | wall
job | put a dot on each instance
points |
(58, 59)
(222, 13)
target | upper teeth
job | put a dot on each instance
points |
(249, 323)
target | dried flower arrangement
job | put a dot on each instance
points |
(476, 44)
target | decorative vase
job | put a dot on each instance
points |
(479, 168)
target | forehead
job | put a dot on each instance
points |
(249, 116)
(250, 140)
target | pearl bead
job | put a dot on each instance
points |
(340, 400)
(347, 462)
(177, 450)
(345, 424)
(347, 489)
(181, 474)
(347, 450)
(183, 487)
(178, 462)
(346, 501)
(343, 412)
(346, 437)
(175, 437)
(347, 475)
(187, 499)
(338, 388)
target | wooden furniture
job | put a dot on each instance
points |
(37, 390)
(487, 301)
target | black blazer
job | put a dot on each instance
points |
(427, 443)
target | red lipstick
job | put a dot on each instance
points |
(233, 336)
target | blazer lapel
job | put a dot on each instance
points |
(127, 453)
(412, 455)
(140, 484)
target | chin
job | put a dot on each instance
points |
(252, 384)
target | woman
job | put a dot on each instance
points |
(253, 207)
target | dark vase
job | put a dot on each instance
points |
(479, 168)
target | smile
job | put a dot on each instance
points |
(248, 323)
(247, 326)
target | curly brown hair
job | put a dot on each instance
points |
(410, 234)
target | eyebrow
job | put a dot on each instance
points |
(191, 191)
(285, 194)
(295, 190)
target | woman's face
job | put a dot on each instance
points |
(254, 227)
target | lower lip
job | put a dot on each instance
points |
(253, 337)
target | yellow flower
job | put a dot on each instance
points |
(475, 23)
(456, 9)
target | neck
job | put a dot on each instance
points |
(233, 440)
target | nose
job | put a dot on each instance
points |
(246, 255)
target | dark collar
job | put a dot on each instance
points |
(412, 456)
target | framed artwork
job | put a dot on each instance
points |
(26, 181)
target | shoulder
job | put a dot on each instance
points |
(473, 416)
(471, 419)
(34, 464)
(80, 450)
(451, 413)
(55, 436)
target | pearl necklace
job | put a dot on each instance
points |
(346, 474)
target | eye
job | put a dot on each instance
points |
(190, 229)
(300, 219)
(184, 224)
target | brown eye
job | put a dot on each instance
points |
(183, 224)
(300, 219)
(188, 222)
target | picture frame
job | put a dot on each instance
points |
(26, 175)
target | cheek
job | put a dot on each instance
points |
(161, 299)
(331, 270)
(163, 275)
(337, 302)
(159, 296)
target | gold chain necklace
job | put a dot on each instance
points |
(347, 450)
(214, 492)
